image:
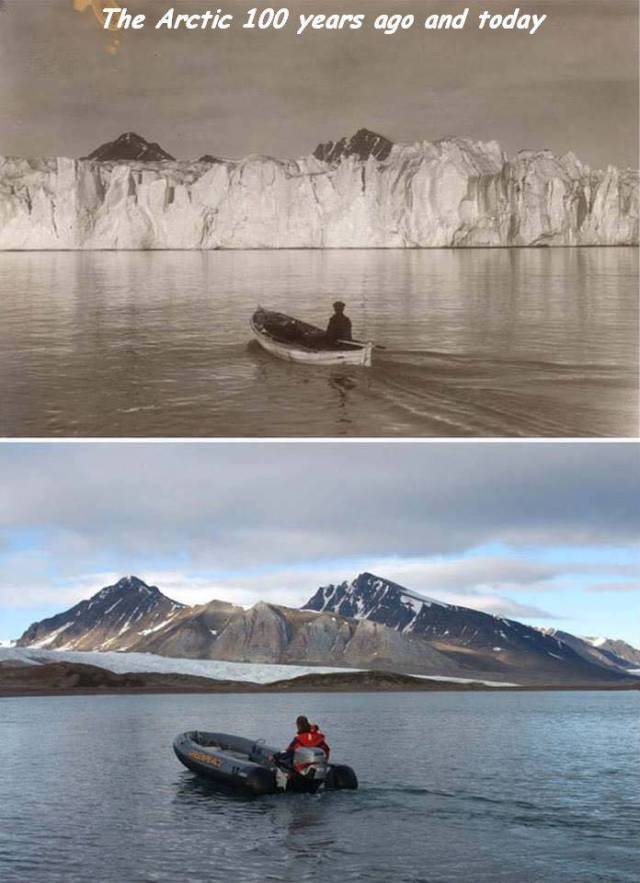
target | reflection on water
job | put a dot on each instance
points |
(481, 342)
(532, 786)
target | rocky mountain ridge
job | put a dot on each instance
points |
(130, 616)
(467, 636)
(362, 191)
(369, 623)
(364, 144)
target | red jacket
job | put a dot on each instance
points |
(311, 739)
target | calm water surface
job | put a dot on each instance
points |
(454, 787)
(515, 342)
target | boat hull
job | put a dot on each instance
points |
(246, 766)
(228, 761)
(294, 351)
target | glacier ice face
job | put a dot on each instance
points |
(450, 193)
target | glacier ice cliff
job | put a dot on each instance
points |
(450, 193)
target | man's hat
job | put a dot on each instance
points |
(339, 305)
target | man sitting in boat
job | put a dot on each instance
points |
(307, 736)
(339, 327)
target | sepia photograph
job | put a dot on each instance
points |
(219, 224)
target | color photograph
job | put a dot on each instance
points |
(425, 668)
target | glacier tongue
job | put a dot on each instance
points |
(450, 193)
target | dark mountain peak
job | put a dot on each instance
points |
(127, 585)
(363, 144)
(365, 577)
(129, 146)
(128, 604)
(371, 597)
(209, 158)
(133, 590)
(131, 583)
(369, 581)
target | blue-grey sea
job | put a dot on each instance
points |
(489, 788)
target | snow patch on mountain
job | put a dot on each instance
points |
(156, 628)
(51, 637)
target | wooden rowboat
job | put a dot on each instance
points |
(296, 341)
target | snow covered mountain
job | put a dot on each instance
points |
(370, 623)
(135, 617)
(470, 637)
(115, 618)
(362, 191)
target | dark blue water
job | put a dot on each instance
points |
(454, 787)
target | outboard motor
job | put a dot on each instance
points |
(311, 763)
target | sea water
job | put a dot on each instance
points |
(481, 342)
(482, 787)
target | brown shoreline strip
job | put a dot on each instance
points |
(70, 679)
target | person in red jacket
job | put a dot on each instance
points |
(307, 736)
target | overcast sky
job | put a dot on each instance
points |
(66, 87)
(543, 532)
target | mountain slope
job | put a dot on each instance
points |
(272, 634)
(470, 637)
(592, 649)
(361, 191)
(192, 634)
(138, 618)
(620, 650)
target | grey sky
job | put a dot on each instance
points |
(227, 507)
(546, 532)
(573, 85)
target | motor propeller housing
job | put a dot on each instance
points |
(311, 763)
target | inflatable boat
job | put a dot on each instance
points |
(252, 767)
(296, 341)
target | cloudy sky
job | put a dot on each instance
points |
(66, 86)
(543, 532)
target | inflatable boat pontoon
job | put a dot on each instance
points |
(252, 767)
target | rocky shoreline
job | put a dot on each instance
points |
(77, 679)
